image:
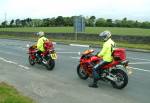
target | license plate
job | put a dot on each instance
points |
(54, 55)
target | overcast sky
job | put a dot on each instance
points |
(112, 9)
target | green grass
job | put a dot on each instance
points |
(120, 31)
(8, 94)
(92, 30)
(36, 29)
(92, 43)
(99, 44)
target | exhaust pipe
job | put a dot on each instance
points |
(111, 78)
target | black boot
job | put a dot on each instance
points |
(94, 84)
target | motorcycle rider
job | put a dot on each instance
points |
(106, 54)
(40, 44)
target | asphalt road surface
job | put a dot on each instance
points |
(62, 85)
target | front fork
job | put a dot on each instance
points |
(129, 70)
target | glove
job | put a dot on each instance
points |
(97, 54)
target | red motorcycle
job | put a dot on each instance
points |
(48, 56)
(114, 72)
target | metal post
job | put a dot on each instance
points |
(76, 32)
(75, 27)
(5, 17)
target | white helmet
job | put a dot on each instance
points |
(105, 35)
(41, 33)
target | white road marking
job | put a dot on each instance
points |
(58, 49)
(54, 43)
(24, 67)
(140, 63)
(68, 52)
(75, 57)
(139, 59)
(141, 69)
(79, 45)
(11, 62)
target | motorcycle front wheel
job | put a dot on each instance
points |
(81, 73)
(121, 79)
(31, 61)
(51, 64)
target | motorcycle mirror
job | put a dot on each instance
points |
(27, 45)
(79, 53)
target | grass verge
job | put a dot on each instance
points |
(99, 44)
(91, 43)
(8, 94)
(91, 30)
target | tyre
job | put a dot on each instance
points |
(122, 79)
(51, 64)
(31, 61)
(81, 73)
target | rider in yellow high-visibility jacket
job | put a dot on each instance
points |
(40, 44)
(106, 54)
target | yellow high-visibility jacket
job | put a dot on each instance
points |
(40, 43)
(106, 52)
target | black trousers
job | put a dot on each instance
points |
(39, 54)
(97, 68)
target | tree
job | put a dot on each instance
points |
(145, 24)
(4, 24)
(92, 21)
(109, 23)
(130, 23)
(52, 22)
(124, 22)
(137, 24)
(23, 23)
(11, 23)
(28, 22)
(37, 22)
(46, 22)
(18, 22)
(118, 23)
(59, 21)
(68, 21)
(100, 22)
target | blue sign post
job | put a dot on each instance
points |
(79, 25)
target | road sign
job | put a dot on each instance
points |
(79, 25)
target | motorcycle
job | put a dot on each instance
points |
(115, 72)
(48, 56)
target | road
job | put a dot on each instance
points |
(62, 85)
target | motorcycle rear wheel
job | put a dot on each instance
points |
(31, 61)
(81, 73)
(122, 79)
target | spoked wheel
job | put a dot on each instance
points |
(31, 61)
(121, 79)
(81, 73)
